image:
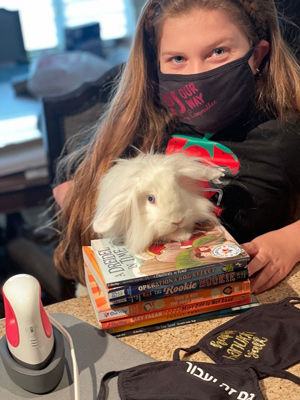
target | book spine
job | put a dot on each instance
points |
(95, 294)
(178, 312)
(189, 298)
(232, 265)
(104, 312)
(168, 302)
(226, 312)
(146, 291)
(134, 289)
(184, 287)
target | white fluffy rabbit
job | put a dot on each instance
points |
(153, 198)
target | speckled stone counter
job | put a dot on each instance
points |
(161, 344)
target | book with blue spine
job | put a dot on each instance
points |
(167, 309)
(162, 287)
(197, 300)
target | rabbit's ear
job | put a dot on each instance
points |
(192, 167)
(114, 201)
(111, 216)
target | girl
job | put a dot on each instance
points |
(218, 72)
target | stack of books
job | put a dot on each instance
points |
(168, 285)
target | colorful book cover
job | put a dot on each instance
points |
(209, 246)
(226, 312)
(103, 311)
(164, 286)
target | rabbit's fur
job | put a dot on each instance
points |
(153, 198)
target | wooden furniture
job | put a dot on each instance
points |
(24, 179)
(17, 193)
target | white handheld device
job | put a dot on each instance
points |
(28, 329)
(32, 350)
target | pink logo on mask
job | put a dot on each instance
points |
(187, 98)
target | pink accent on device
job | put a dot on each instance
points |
(45, 321)
(11, 324)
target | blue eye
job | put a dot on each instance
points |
(151, 198)
(178, 59)
(219, 51)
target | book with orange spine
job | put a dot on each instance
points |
(105, 312)
(108, 320)
(225, 312)
(181, 283)
(159, 317)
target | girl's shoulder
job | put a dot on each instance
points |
(276, 126)
(282, 135)
(283, 139)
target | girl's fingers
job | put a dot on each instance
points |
(255, 265)
(264, 280)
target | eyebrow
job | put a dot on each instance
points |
(171, 53)
(217, 43)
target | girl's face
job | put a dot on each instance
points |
(199, 41)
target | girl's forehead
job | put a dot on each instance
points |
(208, 20)
(201, 25)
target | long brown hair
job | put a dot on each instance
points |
(135, 116)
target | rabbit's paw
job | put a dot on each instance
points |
(180, 235)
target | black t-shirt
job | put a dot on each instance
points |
(265, 174)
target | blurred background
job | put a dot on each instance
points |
(58, 59)
(44, 22)
(48, 50)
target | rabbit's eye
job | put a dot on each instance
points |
(151, 198)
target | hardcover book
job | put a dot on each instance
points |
(180, 283)
(173, 314)
(210, 249)
(135, 329)
(149, 312)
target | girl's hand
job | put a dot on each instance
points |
(273, 255)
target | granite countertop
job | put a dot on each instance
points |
(161, 344)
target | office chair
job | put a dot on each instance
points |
(66, 115)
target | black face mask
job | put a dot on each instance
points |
(184, 380)
(268, 338)
(211, 100)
